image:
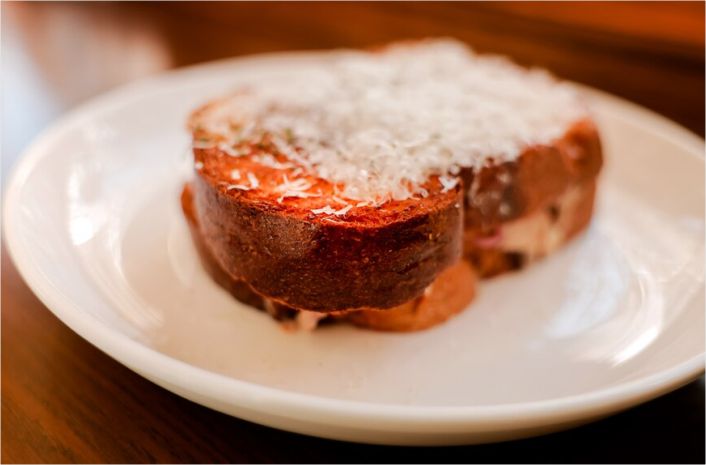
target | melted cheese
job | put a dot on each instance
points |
(379, 124)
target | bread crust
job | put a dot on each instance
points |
(378, 257)
(318, 264)
(448, 295)
(454, 288)
(511, 190)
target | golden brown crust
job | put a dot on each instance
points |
(511, 190)
(454, 288)
(449, 294)
(328, 266)
(238, 289)
(368, 257)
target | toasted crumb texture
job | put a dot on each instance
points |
(449, 293)
(326, 264)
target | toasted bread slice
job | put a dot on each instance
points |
(335, 216)
(448, 294)
(513, 245)
(517, 212)
(498, 195)
(312, 253)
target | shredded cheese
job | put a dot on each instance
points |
(447, 182)
(254, 182)
(328, 210)
(380, 124)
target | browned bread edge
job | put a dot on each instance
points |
(449, 294)
(328, 266)
(506, 191)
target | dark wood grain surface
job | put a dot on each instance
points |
(65, 401)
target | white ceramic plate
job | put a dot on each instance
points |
(92, 220)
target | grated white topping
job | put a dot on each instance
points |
(297, 188)
(300, 185)
(235, 175)
(254, 182)
(328, 210)
(381, 123)
(343, 210)
(228, 149)
(447, 182)
(269, 160)
(338, 200)
(299, 194)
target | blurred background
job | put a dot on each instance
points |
(63, 402)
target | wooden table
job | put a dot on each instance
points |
(65, 401)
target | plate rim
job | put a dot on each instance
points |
(144, 359)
